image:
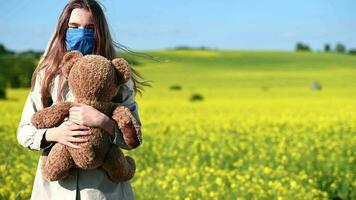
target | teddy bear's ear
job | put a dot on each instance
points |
(123, 69)
(68, 61)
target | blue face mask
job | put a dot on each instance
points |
(80, 39)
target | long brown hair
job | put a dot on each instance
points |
(104, 45)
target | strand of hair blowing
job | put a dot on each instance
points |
(104, 45)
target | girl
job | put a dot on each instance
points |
(82, 26)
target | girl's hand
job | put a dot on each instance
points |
(86, 115)
(66, 134)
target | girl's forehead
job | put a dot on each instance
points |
(81, 16)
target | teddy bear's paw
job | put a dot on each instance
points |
(122, 116)
(128, 125)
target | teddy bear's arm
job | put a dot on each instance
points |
(128, 125)
(51, 116)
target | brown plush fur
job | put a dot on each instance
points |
(94, 81)
(128, 124)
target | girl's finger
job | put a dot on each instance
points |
(67, 123)
(76, 115)
(78, 133)
(76, 104)
(73, 109)
(74, 127)
(78, 140)
(72, 116)
(76, 120)
(76, 107)
(81, 127)
(72, 145)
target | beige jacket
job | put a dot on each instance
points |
(81, 184)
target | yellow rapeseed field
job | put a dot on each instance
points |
(259, 131)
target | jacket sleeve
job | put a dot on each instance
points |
(127, 97)
(27, 134)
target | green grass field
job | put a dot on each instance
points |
(260, 132)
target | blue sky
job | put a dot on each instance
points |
(224, 24)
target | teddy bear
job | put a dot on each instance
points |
(93, 80)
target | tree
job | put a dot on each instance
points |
(352, 51)
(4, 51)
(327, 48)
(2, 87)
(340, 48)
(302, 47)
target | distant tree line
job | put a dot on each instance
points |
(184, 47)
(16, 69)
(338, 48)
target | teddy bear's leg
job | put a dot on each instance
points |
(56, 162)
(118, 166)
